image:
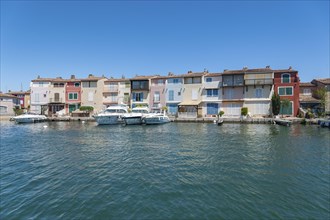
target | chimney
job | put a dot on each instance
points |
(225, 70)
(245, 68)
(90, 75)
(189, 72)
(58, 77)
(170, 74)
(73, 77)
(267, 67)
(123, 77)
(290, 67)
(38, 77)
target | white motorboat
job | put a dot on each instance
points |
(135, 117)
(112, 115)
(155, 118)
(29, 117)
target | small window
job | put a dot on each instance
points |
(282, 91)
(307, 92)
(77, 85)
(285, 78)
(175, 81)
(208, 79)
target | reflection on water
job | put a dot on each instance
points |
(177, 170)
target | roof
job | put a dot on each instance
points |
(7, 96)
(117, 80)
(213, 74)
(245, 70)
(308, 99)
(306, 85)
(190, 103)
(18, 93)
(188, 75)
(93, 78)
(325, 81)
(137, 77)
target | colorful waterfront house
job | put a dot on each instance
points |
(40, 95)
(258, 91)
(324, 83)
(24, 98)
(116, 91)
(8, 103)
(306, 99)
(72, 94)
(92, 92)
(57, 97)
(191, 107)
(157, 93)
(286, 85)
(233, 92)
(140, 91)
(173, 93)
(211, 94)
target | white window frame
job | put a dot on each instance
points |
(72, 95)
(284, 74)
(278, 90)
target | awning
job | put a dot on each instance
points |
(190, 103)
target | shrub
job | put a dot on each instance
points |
(244, 111)
(221, 113)
(86, 108)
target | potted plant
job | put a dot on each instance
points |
(244, 112)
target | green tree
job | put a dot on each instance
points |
(276, 104)
(321, 94)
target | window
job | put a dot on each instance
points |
(160, 82)
(140, 85)
(89, 84)
(258, 93)
(76, 84)
(156, 97)
(73, 96)
(175, 81)
(113, 97)
(137, 96)
(208, 79)
(170, 95)
(282, 91)
(212, 92)
(307, 92)
(194, 94)
(286, 78)
(127, 85)
(212, 108)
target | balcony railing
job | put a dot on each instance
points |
(230, 83)
(258, 81)
(55, 100)
(187, 114)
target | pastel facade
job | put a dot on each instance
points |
(92, 92)
(72, 95)
(232, 93)
(212, 94)
(140, 91)
(57, 96)
(116, 91)
(286, 85)
(40, 95)
(258, 91)
(157, 94)
(173, 93)
(191, 107)
(324, 83)
(8, 103)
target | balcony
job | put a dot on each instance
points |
(212, 85)
(111, 89)
(231, 83)
(55, 100)
(249, 82)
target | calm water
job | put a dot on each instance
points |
(72, 170)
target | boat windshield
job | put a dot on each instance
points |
(140, 111)
(115, 111)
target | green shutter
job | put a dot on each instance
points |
(70, 96)
(281, 91)
(75, 96)
(288, 91)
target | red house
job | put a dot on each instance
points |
(72, 94)
(286, 85)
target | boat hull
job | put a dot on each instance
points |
(29, 119)
(156, 120)
(133, 120)
(108, 120)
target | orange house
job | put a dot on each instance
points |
(286, 85)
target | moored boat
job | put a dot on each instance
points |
(156, 118)
(29, 117)
(135, 117)
(112, 115)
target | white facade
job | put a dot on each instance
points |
(211, 95)
(40, 95)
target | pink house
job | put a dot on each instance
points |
(157, 94)
(72, 94)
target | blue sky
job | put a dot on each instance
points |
(114, 38)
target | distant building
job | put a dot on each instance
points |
(24, 98)
(157, 93)
(307, 98)
(140, 91)
(324, 83)
(173, 93)
(72, 94)
(40, 95)
(116, 91)
(8, 103)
